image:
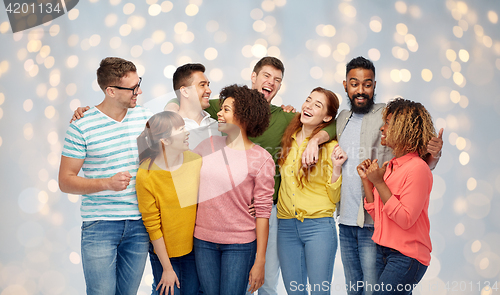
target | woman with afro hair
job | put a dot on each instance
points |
(397, 197)
(229, 243)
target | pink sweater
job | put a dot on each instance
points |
(229, 180)
(402, 223)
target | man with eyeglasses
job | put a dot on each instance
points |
(114, 241)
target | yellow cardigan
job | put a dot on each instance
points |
(167, 202)
(316, 198)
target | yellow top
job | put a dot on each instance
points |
(167, 202)
(317, 197)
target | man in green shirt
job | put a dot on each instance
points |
(267, 77)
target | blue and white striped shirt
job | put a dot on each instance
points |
(108, 147)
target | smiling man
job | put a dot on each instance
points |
(358, 130)
(192, 88)
(114, 242)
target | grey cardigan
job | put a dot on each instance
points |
(370, 148)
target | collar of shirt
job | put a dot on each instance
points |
(203, 122)
(395, 163)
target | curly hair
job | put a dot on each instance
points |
(332, 106)
(250, 108)
(159, 126)
(360, 62)
(112, 69)
(410, 128)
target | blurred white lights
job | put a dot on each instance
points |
(471, 184)
(401, 7)
(211, 53)
(154, 10)
(316, 73)
(259, 50)
(464, 158)
(169, 71)
(259, 26)
(128, 8)
(28, 105)
(459, 229)
(329, 31)
(110, 20)
(180, 28)
(192, 9)
(167, 48)
(492, 17)
(374, 54)
(256, 14)
(73, 14)
(216, 75)
(166, 6)
(376, 25)
(74, 258)
(426, 75)
(324, 50)
(267, 5)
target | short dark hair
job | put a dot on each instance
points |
(251, 109)
(360, 62)
(182, 75)
(269, 61)
(112, 69)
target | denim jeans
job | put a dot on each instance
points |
(185, 269)
(272, 275)
(223, 269)
(398, 274)
(307, 249)
(359, 256)
(114, 254)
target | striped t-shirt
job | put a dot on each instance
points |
(108, 147)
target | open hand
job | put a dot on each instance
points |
(79, 113)
(168, 281)
(288, 108)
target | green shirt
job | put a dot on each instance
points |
(270, 140)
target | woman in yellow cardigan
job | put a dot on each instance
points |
(307, 236)
(167, 191)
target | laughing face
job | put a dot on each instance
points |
(383, 129)
(267, 81)
(178, 139)
(199, 89)
(314, 110)
(360, 89)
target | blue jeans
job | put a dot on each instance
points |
(307, 249)
(272, 275)
(398, 274)
(359, 256)
(223, 269)
(185, 269)
(114, 254)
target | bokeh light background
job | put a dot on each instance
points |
(445, 54)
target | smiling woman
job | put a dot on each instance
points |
(230, 243)
(167, 190)
(308, 196)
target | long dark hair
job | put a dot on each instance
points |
(158, 127)
(332, 106)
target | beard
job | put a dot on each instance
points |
(361, 109)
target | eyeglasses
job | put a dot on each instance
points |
(134, 90)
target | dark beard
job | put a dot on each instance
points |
(364, 109)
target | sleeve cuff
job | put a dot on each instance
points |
(333, 190)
